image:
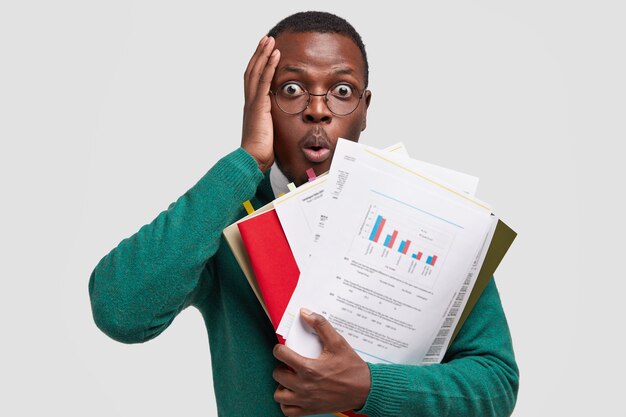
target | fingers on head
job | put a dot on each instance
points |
(268, 72)
(261, 60)
(255, 56)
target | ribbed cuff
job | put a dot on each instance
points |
(387, 392)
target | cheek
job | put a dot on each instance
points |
(280, 131)
(353, 125)
(283, 123)
(353, 130)
(286, 149)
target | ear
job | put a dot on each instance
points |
(368, 99)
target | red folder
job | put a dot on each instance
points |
(274, 266)
(273, 263)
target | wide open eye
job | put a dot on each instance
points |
(344, 91)
(292, 90)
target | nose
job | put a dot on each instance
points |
(317, 111)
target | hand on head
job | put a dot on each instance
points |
(303, 91)
(258, 135)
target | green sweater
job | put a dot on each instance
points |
(181, 260)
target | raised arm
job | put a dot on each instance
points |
(141, 285)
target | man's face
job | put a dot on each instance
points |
(316, 61)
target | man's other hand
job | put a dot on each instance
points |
(257, 134)
(338, 380)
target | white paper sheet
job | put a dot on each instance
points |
(302, 212)
(299, 211)
(457, 303)
(388, 305)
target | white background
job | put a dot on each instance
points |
(111, 110)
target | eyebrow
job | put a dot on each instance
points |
(344, 71)
(289, 68)
(298, 70)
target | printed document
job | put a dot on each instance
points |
(401, 247)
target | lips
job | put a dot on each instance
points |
(316, 145)
(316, 155)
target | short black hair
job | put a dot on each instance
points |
(321, 22)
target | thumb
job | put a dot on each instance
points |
(326, 332)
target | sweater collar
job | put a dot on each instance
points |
(264, 191)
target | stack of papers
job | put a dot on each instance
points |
(394, 252)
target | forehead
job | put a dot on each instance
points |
(315, 53)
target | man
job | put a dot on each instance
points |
(305, 86)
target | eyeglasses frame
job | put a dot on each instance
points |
(274, 93)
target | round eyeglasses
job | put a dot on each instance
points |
(341, 99)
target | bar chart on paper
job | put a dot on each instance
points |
(398, 238)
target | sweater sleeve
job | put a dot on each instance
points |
(138, 288)
(478, 376)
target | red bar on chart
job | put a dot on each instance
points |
(406, 246)
(419, 255)
(432, 262)
(393, 239)
(380, 228)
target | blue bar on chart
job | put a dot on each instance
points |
(404, 246)
(377, 229)
(431, 260)
(407, 243)
(390, 240)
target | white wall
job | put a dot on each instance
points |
(111, 110)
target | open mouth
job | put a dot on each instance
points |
(316, 154)
(316, 146)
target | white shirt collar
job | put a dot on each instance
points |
(278, 181)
